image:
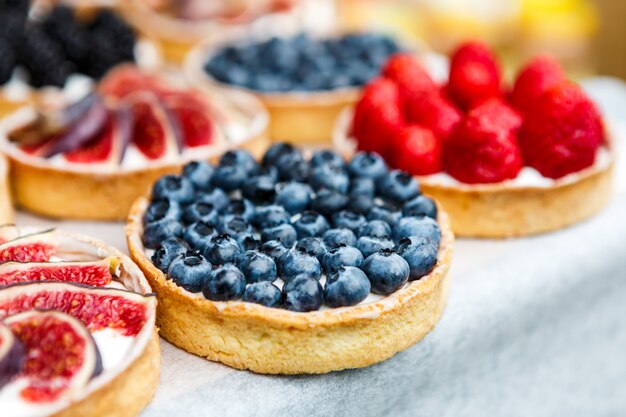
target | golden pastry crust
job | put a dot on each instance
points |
(274, 341)
(6, 201)
(502, 210)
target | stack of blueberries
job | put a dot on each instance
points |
(302, 63)
(325, 230)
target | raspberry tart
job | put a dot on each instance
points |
(304, 82)
(91, 158)
(6, 204)
(532, 160)
(293, 266)
(77, 328)
(50, 50)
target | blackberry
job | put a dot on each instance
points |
(109, 23)
(43, 58)
(62, 26)
(12, 27)
(19, 6)
(7, 61)
(101, 57)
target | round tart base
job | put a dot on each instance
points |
(274, 341)
(6, 205)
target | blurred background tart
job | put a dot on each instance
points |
(304, 81)
(503, 161)
(90, 158)
(6, 202)
(50, 47)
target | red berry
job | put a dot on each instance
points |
(540, 75)
(418, 151)
(562, 133)
(435, 113)
(474, 75)
(410, 76)
(482, 150)
(497, 111)
(377, 117)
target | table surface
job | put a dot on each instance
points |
(534, 327)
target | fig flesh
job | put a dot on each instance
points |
(61, 356)
(96, 274)
(193, 117)
(11, 355)
(37, 247)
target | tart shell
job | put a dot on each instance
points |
(274, 341)
(6, 205)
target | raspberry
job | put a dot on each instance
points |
(474, 75)
(410, 76)
(541, 74)
(563, 132)
(482, 150)
(377, 117)
(435, 113)
(417, 151)
(500, 113)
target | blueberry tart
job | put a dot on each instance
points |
(297, 284)
(6, 204)
(77, 328)
(303, 81)
(89, 159)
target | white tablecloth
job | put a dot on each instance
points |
(534, 327)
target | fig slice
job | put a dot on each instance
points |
(98, 308)
(38, 247)
(193, 115)
(11, 355)
(96, 273)
(61, 356)
(126, 80)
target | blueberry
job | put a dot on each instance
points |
(346, 287)
(248, 241)
(173, 187)
(241, 158)
(326, 157)
(361, 204)
(274, 249)
(259, 189)
(199, 173)
(229, 177)
(224, 284)
(156, 232)
(278, 150)
(216, 196)
(368, 165)
(222, 249)
(312, 246)
(339, 237)
(239, 207)
(170, 248)
(420, 206)
(292, 167)
(331, 177)
(310, 223)
(303, 294)
(362, 186)
(295, 262)
(294, 196)
(398, 186)
(200, 211)
(284, 233)
(162, 209)
(328, 202)
(341, 256)
(348, 219)
(386, 270)
(369, 245)
(189, 271)
(268, 171)
(257, 266)
(420, 253)
(270, 216)
(234, 225)
(264, 293)
(375, 228)
(199, 234)
(385, 212)
(417, 226)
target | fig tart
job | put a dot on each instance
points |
(293, 265)
(531, 159)
(304, 81)
(77, 328)
(91, 158)
(6, 202)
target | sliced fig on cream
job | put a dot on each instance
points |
(38, 247)
(97, 308)
(60, 355)
(11, 355)
(96, 273)
(194, 118)
(127, 80)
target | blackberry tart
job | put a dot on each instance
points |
(77, 327)
(304, 82)
(534, 160)
(91, 158)
(293, 266)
